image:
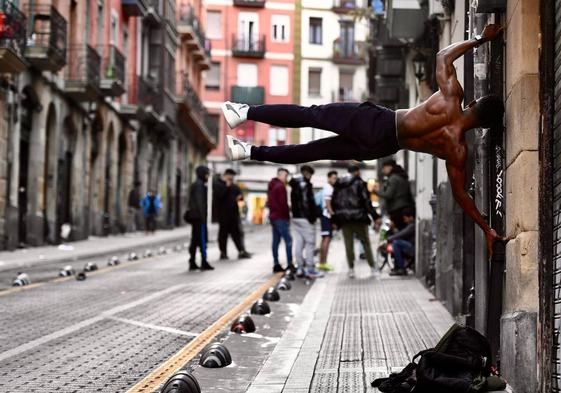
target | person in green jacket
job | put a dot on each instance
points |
(396, 192)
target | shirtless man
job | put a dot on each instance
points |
(367, 131)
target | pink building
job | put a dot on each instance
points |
(252, 62)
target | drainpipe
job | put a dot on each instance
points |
(481, 170)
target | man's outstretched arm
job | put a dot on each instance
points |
(457, 178)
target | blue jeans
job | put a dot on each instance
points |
(401, 247)
(281, 229)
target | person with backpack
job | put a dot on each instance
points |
(151, 205)
(304, 215)
(396, 192)
(352, 212)
(197, 217)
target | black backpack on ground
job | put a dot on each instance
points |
(460, 363)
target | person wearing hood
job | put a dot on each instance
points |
(396, 192)
(198, 212)
(279, 215)
(352, 212)
(304, 216)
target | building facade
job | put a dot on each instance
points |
(90, 105)
(253, 43)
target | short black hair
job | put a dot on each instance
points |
(230, 171)
(408, 212)
(353, 168)
(307, 168)
(490, 110)
(331, 173)
(389, 162)
(282, 170)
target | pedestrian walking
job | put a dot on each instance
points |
(367, 131)
(396, 192)
(134, 206)
(151, 206)
(279, 216)
(304, 216)
(352, 212)
(197, 216)
(403, 243)
(326, 225)
(225, 205)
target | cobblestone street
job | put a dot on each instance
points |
(114, 329)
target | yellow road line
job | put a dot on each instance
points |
(88, 274)
(153, 380)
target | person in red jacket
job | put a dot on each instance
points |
(277, 201)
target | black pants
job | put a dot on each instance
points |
(230, 228)
(199, 239)
(151, 222)
(364, 132)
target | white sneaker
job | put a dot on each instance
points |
(351, 273)
(236, 150)
(235, 114)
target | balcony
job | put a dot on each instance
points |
(128, 107)
(349, 52)
(149, 99)
(190, 30)
(193, 112)
(112, 71)
(12, 38)
(248, 47)
(134, 7)
(46, 46)
(82, 73)
(248, 95)
(250, 3)
(344, 6)
(153, 14)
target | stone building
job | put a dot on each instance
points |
(89, 104)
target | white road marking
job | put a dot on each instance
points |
(73, 328)
(155, 327)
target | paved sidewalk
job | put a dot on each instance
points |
(349, 332)
(92, 247)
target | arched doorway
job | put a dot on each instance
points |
(96, 132)
(107, 181)
(64, 180)
(121, 180)
(49, 178)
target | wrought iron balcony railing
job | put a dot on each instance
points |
(134, 7)
(112, 71)
(189, 97)
(150, 96)
(212, 127)
(190, 26)
(248, 95)
(342, 6)
(250, 3)
(12, 38)
(252, 46)
(349, 52)
(82, 72)
(46, 45)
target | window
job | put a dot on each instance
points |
(277, 136)
(346, 85)
(279, 80)
(214, 24)
(316, 31)
(212, 77)
(314, 82)
(100, 23)
(247, 74)
(280, 25)
(114, 27)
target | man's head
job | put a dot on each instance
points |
(228, 175)
(387, 166)
(151, 192)
(282, 174)
(332, 177)
(202, 172)
(307, 171)
(354, 170)
(408, 215)
(488, 110)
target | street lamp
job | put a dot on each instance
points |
(420, 65)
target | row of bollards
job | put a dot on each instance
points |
(23, 279)
(216, 355)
